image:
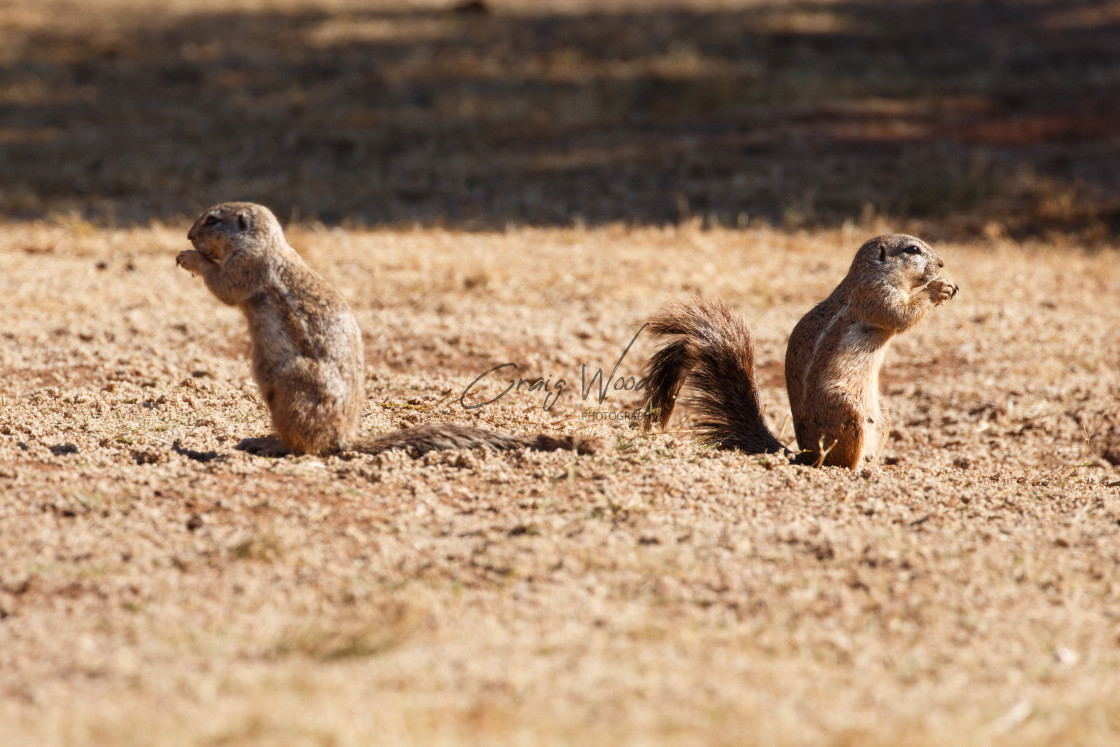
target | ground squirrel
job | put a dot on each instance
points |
(306, 347)
(832, 360)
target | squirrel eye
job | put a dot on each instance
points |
(212, 220)
(913, 249)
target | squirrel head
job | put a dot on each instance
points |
(907, 261)
(223, 229)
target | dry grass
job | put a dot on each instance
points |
(659, 592)
(526, 186)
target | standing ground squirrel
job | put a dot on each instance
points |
(306, 347)
(832, 360)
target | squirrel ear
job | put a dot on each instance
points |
(244, 220)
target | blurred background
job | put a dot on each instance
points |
(964, 117)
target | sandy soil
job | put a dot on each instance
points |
(158, 586)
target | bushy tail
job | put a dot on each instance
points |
(436, 436)
(711, 351)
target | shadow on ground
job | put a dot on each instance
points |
(994, 116)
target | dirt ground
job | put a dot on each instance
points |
(159, 587)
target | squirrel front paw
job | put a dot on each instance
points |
(191, 261)
(941, 290)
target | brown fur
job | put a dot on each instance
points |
(306, 346)
(713, 352)
(832, 360)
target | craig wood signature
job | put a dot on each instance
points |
(552, 390)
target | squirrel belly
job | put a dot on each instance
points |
(832, 360)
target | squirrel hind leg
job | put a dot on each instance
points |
(307, 421)
(834, 436)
